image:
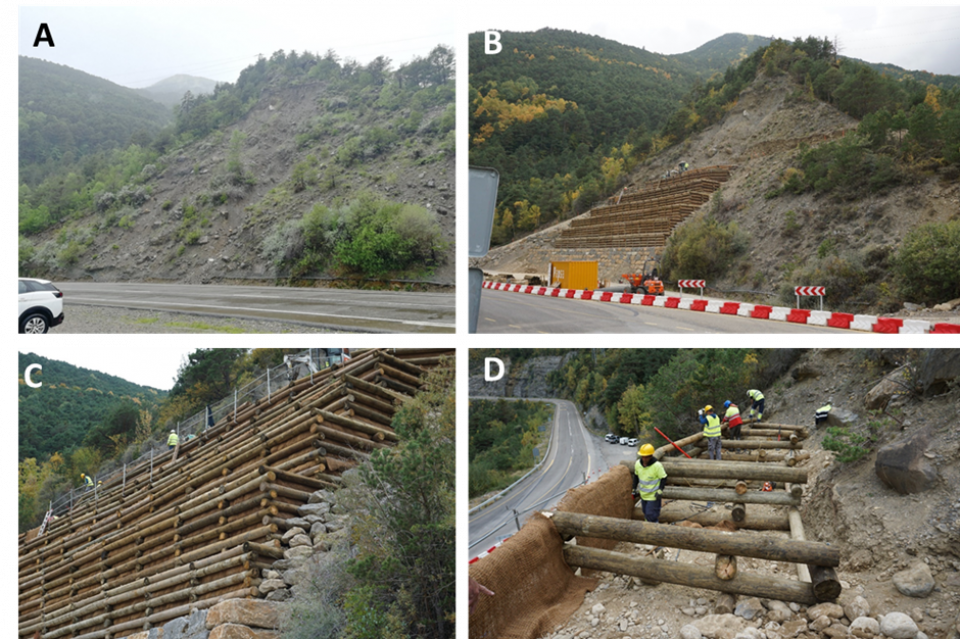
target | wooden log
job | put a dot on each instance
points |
(725, 567)
(741, 487)
(796, 533)
(732, 470)
(782, 427)
(409, 381)
(668, 448)
(739, 512)
(686, 511)
(770, 547)
(826, 584)
(751, 444)
(265, 550)
(726, 495)
(688, 575)
(362, 427)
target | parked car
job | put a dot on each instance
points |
(611, 438)
(633, 441)
(41, 305)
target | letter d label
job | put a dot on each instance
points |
(486, 369)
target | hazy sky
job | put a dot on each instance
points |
(136, 47)
(144, 364)
(916, 38)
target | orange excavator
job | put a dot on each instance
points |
(646, 282)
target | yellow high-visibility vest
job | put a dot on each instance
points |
(173, 440)
(649, 479)
(755, 394)
(712, 427)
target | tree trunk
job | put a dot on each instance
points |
(727, 495)
(732, 470)
(773, 548)
(688, 575)
(725, 567)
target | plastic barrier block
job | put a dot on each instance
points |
(660, 301)
(863, 322)
(587, 295)
(605, 296)
(840, 320)
(528, 290)
(761, 311)
(798, 315)
(713, 307)
(888, 325)
(541, 290)
(571, 293)
(780, 313)
(945, 327)
(730, 308)
(626, 298)
(915, 327)
(685, 303)
(818, 318)
(616, 297)
(648, 300)
(672, 302)
(698, 305)
(745, 310)
(555, 292)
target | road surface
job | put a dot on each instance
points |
(502, 312)
(340, 309)
(573, 455)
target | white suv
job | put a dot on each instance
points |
(41, 305)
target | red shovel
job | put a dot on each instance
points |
(671, 442)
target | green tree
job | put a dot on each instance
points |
(405, 563)
(928, 263)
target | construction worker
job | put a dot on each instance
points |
(684, 166)
(756, 405)
(711, 431)
(173, 440)
(649, 478)
(474, 590)
(732, 419)
(822, 413)
(87, 482)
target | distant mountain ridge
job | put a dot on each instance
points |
(170, 91)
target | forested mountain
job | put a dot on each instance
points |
(306, 167)
(72, 402)
(170, 91)
(567, 118)
(66, 114)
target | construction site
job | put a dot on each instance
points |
(207, 537)
(779, 539)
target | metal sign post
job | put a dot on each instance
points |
(482, 204)
(810, 291)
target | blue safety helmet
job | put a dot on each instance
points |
(726, 404)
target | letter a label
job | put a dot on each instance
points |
(491, 42)
(43, 35)
(487, 375)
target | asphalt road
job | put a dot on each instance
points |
(340, 309)
(502, 312)
(573, 455)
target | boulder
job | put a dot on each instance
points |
(279, 595)
(298, 552)
(939, 366)
(192, 626)
(856, 607)
(820, 624)
(897, 625)
(841, 417)
(319, 509)
(690, 631)
(828, 609)
(903, 467)
(236, 631)
(248, 612)
(880, 395)
(749, 608)
(300, 540)
(269, 585)
(793, 628)
(805, 370)
(291, 533)
(865, 627)
(725, 604)
(915, 581)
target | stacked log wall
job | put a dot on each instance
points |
(197, 524)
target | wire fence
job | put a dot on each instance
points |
(271, 381)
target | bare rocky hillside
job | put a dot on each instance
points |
(189, 223)
(760, 136)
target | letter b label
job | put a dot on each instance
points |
(486, 369)
(491, 43)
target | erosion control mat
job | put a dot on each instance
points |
(535, 590)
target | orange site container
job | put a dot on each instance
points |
(576, 275)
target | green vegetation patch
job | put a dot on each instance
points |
(502, 438)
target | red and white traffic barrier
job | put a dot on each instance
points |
(868, 323)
